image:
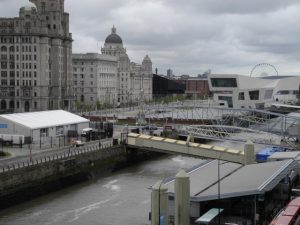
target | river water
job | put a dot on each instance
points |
(120, 198)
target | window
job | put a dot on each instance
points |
(4, 65)
(43, 7)
(3, 74)
(254, 95)
(223, 82)
(59, 130)
(268, 94)
(44, 132)
(282, 92)
(228, 99)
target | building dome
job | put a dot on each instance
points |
(29, 7)
(113, 38)
(147, 59)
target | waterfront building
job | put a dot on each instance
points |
(35, 50)
(237, 91)
(250, 194)
(164, 86)
(116, 80)
(194, 86)
(95, 78)
(42, 125)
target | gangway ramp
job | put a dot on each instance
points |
(174, 146)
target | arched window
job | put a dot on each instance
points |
(27, 106)
(11, 49)
(3, 104)
(11, 104)
(3, 49)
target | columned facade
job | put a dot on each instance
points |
(116, 80)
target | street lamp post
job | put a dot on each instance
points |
(219, 194)
(159, 220)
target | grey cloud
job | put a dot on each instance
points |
(190, 36)
(232, 6)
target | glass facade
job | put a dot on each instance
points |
(223, 82)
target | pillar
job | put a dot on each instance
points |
(182, 198)
(249, 157)
(159, 204)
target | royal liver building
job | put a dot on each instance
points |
(35, 51)
(111, 77)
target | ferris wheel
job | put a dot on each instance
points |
(263, 70)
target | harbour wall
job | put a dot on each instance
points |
(23, 181)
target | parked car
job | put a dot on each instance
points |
(77, 143)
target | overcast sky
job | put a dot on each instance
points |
(190, 36)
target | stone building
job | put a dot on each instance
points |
(94, 78)
(35, 51)
(118, 81)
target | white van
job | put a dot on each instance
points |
(85, 131)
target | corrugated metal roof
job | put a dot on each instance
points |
(43, 119)
(206, 176)
(235, 180)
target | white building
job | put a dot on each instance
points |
(37, 125)
(116, 80)
(239, 91)
(95, 78)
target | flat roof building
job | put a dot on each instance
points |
(237, 91)
(37, 125)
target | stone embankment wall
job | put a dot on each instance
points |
(20, 180)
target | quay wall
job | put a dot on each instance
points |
(22, 181)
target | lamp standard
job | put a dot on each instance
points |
(219, 187)
(219, 194)
(159, 220)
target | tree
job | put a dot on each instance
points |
(98, 104)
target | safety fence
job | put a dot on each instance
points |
(105, 149)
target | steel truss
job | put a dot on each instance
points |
(260, 126)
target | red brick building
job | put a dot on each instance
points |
(196, 86)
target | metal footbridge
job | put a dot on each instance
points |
(259, 126)
(173, 146)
